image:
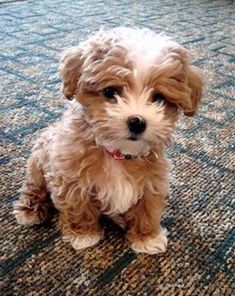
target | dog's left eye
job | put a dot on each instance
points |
(110, 92)
(158, 97)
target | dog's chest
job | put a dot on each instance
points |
(116, 190)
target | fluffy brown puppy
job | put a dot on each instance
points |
(106, 155)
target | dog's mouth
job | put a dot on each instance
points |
(134, 138)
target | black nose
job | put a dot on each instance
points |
(136, 124)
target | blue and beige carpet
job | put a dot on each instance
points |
(200, 256)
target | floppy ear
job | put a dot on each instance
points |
(70, 70)
(195, 83)
(185, 81)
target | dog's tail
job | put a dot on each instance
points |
(34, 205)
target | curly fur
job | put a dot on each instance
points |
(70, 160)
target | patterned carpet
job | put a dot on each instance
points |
(200, 258)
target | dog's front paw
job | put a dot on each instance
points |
(153, 245)
(80, 242)
(26, 215)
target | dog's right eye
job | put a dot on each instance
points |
(110, 92)
(158, 97)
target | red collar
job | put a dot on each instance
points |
(118, 155)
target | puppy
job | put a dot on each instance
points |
(106, 156)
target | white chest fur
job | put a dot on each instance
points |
(116, 190)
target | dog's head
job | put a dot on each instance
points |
(132, 84)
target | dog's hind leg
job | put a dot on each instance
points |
(34, 203)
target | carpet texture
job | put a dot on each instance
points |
(200, 212)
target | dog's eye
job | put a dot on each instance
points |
(158, 97)
(110, 92)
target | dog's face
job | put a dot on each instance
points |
(132, 84)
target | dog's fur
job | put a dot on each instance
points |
(71, 160)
